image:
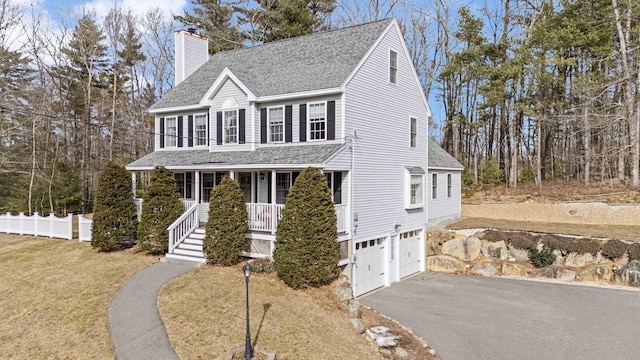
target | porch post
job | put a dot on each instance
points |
(133, 183)
(232, 174)
(197, 185)
(273, 201)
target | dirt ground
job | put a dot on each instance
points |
(601, 210)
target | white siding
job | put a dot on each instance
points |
(192, 51)
(229, 90)
(444, 208)
(380, 112)
(295, 118)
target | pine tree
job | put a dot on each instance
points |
(114, 216)
(306, 253)
(227, 225)
(160, 208)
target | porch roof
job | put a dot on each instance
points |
(302, 155)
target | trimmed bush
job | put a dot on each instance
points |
(306, 253)
(114, 217)
(523, 241)
(227, 225)
(634, 251)
(494, 235)
(262, 266)
(160, 208)
(541, 258)
(614, 249)
(583, 246)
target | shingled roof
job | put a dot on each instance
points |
(305, 63)
(440, 159)
(282, 155)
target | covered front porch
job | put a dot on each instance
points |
(265, 192)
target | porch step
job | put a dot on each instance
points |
(187, 258)
(191, 248)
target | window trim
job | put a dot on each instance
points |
(269, 133)
(449, 184)
(224, 126)
(393, 68)
(196, 139)
(410, 174)
(325, 121)
(434, 185)
(170, 140)
(413, 132)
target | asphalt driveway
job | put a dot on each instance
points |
(473, 317)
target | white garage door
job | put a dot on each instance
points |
(369, 265)
(410, 256)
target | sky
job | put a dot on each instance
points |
(101, 7)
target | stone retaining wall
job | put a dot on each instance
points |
(460, 252)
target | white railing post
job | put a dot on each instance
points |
(20, 216)
(35, 223)
(70, 218)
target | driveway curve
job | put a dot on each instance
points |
(474, 317)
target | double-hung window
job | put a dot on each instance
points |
(415, 187)
(276, 124)
(283, 183)
(393, 67)
(171, 132)
(231, 126)
(434, 186)
(317, 121)
(448, 185)
(414, 132)
(201, 129)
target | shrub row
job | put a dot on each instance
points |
(612, 249)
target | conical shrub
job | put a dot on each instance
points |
(114, 217)
(306, 253)
(160, 208)
(227, 225)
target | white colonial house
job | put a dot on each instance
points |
(347, 101)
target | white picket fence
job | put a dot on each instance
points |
(50, 226)
(84, 228)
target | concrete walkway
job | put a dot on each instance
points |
(135, 326)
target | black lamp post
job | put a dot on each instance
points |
(248, 351)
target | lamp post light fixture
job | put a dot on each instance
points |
(248, 351)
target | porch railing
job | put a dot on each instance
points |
(183, 226)
(264, 217)
(343, 218)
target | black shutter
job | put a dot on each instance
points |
(294, 176)
(190, 131)
(219, 128)
(337, 187)
(161, 133)
(263, 126)
(303, 122)
(331, 120)
(179, 131)
(208, 131)
(288, 122)
(241, 127)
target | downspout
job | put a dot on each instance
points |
(352, 203)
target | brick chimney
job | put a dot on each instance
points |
(192, 51)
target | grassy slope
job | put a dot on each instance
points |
(204, 312)
(55, 295)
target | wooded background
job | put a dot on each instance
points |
(532, 89)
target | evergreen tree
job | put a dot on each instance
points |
(227, 225)
(306, 251)
(160, 208)
(114, 216)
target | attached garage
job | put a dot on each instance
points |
(410, 251)
(370, 266)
